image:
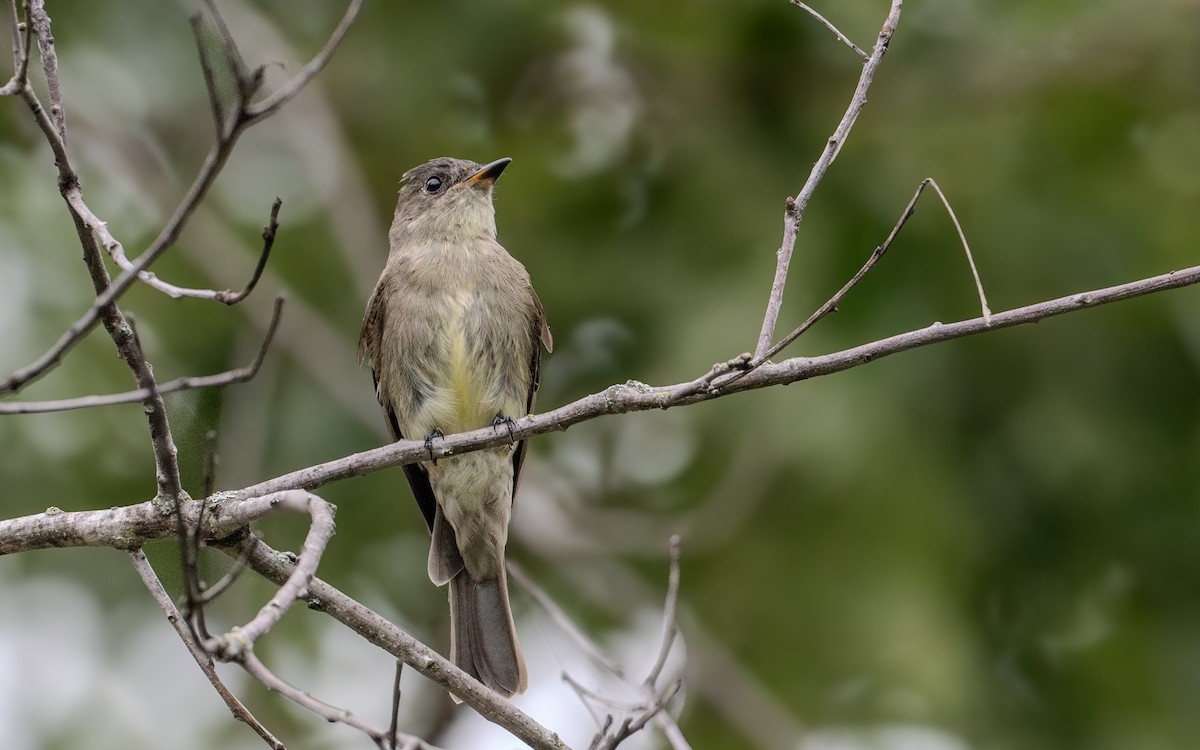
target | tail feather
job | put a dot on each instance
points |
(483, 636)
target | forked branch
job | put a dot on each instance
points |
(796, 206)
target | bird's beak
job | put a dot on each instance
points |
(488, 175)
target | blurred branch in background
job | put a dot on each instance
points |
(654, 704)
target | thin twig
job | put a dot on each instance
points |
(582, 694)
(794, 211)
(983, 303)
(210, 76)
(395, 722)
(630, 726)
(670, 626)
(190, 383)
(209, 593)
(22, 49)
(227, 296)
(658, 707)
(595, 744)
(246, 80)
(562, 619)
(156, 589)
(268, 236)
(664, 721)
(831, 305)
(239, 641)
(256, 669)
(844, 39)
(376, 629)
(288, 91)
(208, 479)
(41, 26)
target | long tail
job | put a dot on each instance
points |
(483, 637)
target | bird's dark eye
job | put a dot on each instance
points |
(433, 184)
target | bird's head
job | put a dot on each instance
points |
(449, 198)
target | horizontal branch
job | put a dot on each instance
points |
(635, 396)
(130, 526)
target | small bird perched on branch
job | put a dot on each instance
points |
(451, 334)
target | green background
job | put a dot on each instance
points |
(990, 543)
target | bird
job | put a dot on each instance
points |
(453, 334)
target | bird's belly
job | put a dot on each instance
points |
(465, 372)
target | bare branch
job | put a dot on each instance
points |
(210, 76)
(130, 526)
(670, 626)
(240, 712)
(288, 91)
(243, 638)
(228, 296)
(653, 705)
(208, 479)
(659, 706)
(191, 383)
(247, 81)
(268, 236)
(166, 455)
(635, 396)
(239, 641)
(119, 329)
(796, 206)
(22, 48)
(832, 303)
(213, 163)
(256, 669)
(630, 726)
(645, 689)
(844, 39)
(209, 593)
(36, 17)
(983, 303)
(562, 619)
(412, 652)
(395, 722)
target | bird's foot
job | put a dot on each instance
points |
(507, 422)
(437, 433)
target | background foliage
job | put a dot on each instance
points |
(985, 544)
